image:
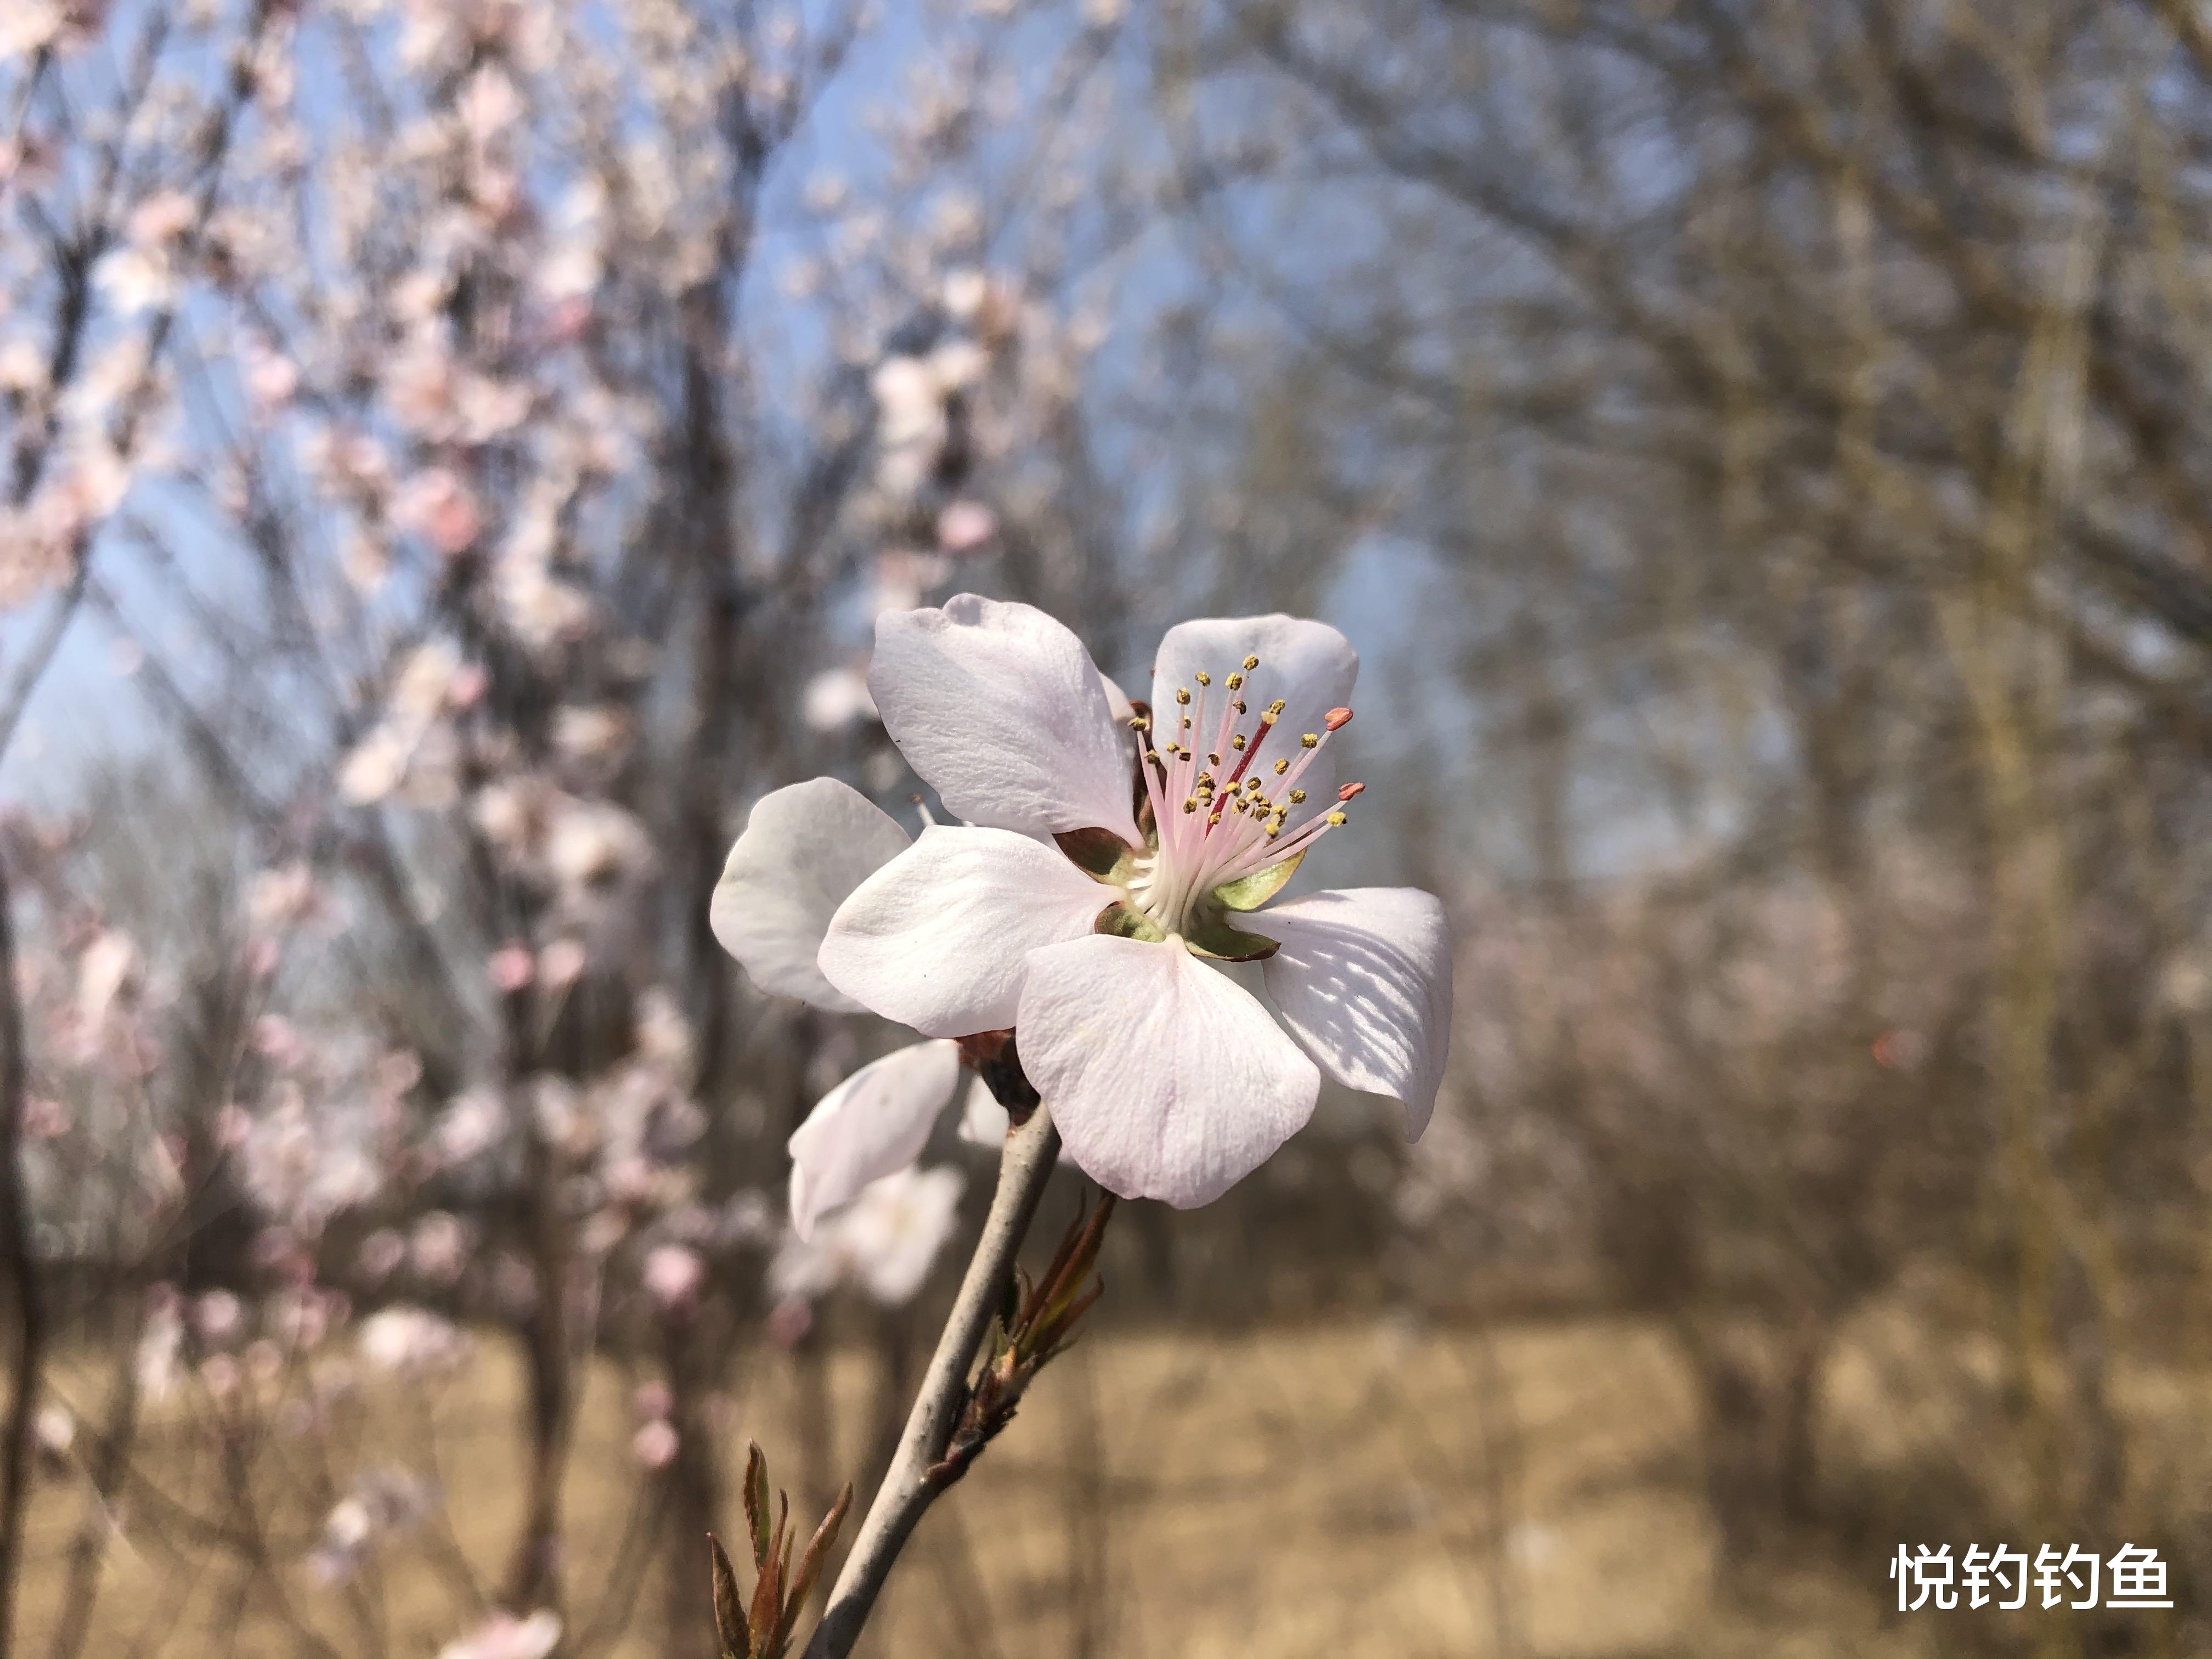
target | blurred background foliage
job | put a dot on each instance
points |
(453, 455)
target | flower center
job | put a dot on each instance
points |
(1224, 783)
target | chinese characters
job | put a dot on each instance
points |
(2133, 1578)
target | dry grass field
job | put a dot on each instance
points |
(1337, 1489)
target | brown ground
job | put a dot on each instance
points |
(1349, 1489)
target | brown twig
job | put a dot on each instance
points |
(908, 1490)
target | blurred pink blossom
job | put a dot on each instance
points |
(53, 1432)
(161, 217)
(136, 278)
(511, 967)
(654, 1445)
(218, 1317)
(673, 1274)
(283, 897)
(380, 1256)
(589, 843)
(835, 698)
(436, 504)
(301, 1318)
(277, 1042)
(412, 1342)
(474, 1123)
(964, 526)
(381, 1504)
(503, 1636)
(595, 732)
(159, 1360)
(106, 968)
(560, 963)
(789, 1321)
(439, 1246)
(271, 378)
(44, 1117)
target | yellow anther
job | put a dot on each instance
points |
(1251, 663)
(1203, 677)
(1190, 805)
(1140, 722)
(1282, 766)
(1235, 682)
(1153, 756)
(1298, 796)
(1251, 785)
(1238, 705)
(1236, 742)
(1213, 759)
(1337, 820)
(1276, 706)
(1183, 695)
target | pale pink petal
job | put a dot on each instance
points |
(983, 1122)
(892, 1235)
(935, 940)
(1308, 664)
(1168, 1080)
(999, 709)
(1364, 980)
(872, 1124)
(803, 850)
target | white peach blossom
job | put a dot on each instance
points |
(1103, 899)
(874, 1122)
(883, 1243)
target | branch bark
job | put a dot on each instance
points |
(1028, 1159)
(20, 1268)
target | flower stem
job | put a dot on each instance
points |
(907, 1490)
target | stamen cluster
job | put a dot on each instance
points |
(1216, 820)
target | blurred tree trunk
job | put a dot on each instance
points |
(26, 1291)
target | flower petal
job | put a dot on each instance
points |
(892, 1235)
(1308, 664)
(1166, 1078)
(935, 939)
(983, 1122)
(1364, 980)
(804, 849)
(1117, 703)
(999, 709)
(872, 1124)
